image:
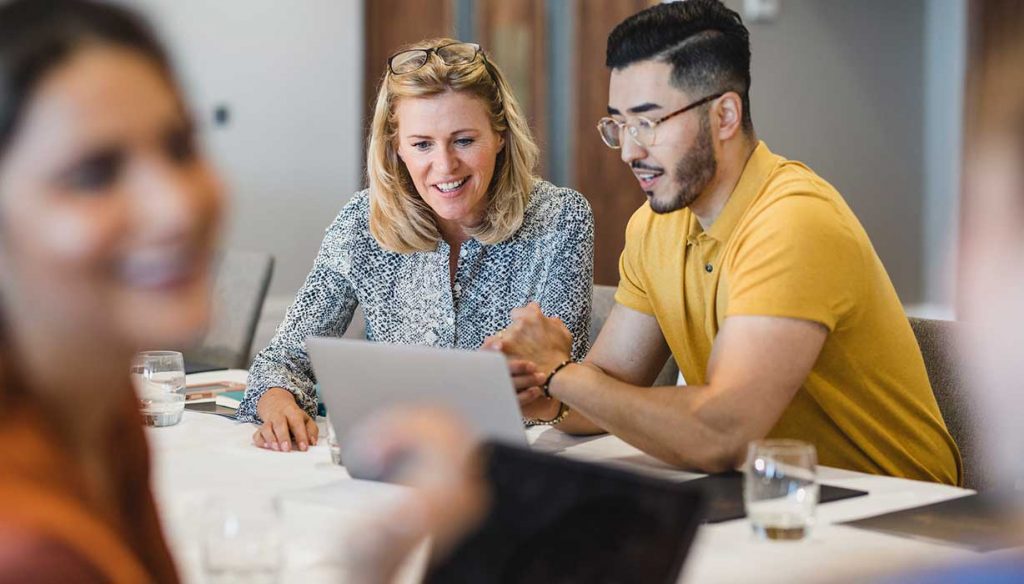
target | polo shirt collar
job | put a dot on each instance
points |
(759, 165)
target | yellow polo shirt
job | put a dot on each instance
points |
(786, 244)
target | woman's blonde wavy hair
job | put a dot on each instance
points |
(400, 220)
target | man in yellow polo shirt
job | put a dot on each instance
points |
(750, 268)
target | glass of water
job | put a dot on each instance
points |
(159, 380)
(780, 488)
(242, 541)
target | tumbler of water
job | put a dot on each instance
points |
(780, 488)
(159, 380)
(242, 540)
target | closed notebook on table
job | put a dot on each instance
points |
(223, 404)
(724, 493)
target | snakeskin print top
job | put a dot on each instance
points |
(408, 298)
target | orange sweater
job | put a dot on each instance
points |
(41, 499)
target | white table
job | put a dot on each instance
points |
(207, 455)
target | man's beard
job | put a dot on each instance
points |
(692, 174)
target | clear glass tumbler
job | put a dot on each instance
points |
(243, 541)
(159, 380)
(780, 488)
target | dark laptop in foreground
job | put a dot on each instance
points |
(558, 520)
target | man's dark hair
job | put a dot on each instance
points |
(706, 44)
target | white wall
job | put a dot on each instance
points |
(839, 85)
(945, 65)
(291, 74)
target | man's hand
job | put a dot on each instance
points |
(541, 340)
(526, 379)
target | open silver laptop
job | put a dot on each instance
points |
(358, 378)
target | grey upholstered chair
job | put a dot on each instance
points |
(239, 288)
(940, 342)
(603, 302)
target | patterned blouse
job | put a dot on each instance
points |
(408, 298)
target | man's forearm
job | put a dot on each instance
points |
(680, 426)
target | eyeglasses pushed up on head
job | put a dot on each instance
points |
(640, 129)
(411, 60)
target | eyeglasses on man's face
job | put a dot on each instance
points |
(411, 60)
(640, 129)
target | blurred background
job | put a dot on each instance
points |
(870, 94)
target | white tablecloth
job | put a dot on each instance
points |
(207, 456)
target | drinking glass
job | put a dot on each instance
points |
(159, 379)
(780, 488)
(242, 541)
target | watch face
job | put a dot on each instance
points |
(559, 520)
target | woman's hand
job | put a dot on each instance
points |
(283, 422)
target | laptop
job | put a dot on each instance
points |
(557, 520)
(358, 378)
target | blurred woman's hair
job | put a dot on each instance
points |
(400, 220)
(36, 36)
(991, 267)
(995, 79)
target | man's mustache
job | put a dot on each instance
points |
(638, 165)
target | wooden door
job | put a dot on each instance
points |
(512, 33)
(599, 173)
(390, 24)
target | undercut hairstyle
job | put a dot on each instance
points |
(706, 44)
(37, 36)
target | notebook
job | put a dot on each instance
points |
(224, 403)
(230, 399)
(725, 495)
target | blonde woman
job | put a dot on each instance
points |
(454, 232)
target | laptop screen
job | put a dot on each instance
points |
(558, 520)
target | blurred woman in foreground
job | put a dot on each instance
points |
(991, 284)
(108, 218)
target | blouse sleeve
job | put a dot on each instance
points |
(323, 307)
(567, 292)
